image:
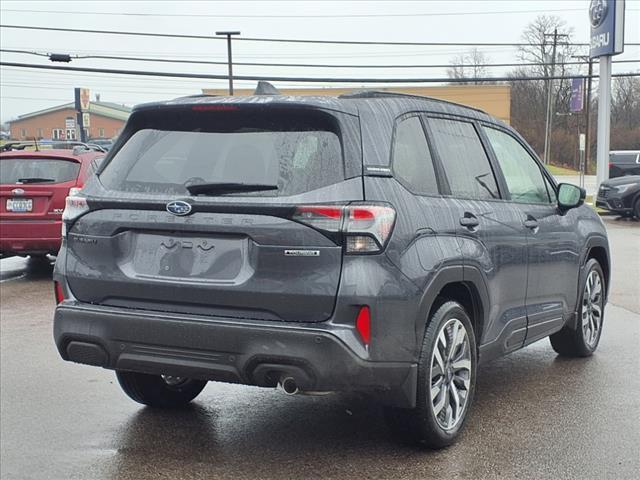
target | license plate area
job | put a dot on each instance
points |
(19, 205)
(198, 259)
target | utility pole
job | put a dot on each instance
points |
(549, 119)
(587, 105)
(229, 59)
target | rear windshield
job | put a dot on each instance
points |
(40, 170)
(295, 152)
(630, 157)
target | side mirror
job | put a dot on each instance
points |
(570, 196)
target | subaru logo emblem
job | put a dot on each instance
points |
(598, 12)
(179, 207)
(17, 191)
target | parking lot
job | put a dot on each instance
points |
(536, 415)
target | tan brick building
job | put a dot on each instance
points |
(59, 123)
(493, 99)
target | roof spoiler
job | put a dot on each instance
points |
(265, 88)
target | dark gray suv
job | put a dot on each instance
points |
(373, 242)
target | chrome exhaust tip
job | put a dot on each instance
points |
(288, 385)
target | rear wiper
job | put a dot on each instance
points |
(35, 180)
(224, 188)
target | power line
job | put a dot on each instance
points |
(300, 79)
(302, 65)
(278, 40)
(351, 15)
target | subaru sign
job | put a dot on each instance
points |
(607, 27)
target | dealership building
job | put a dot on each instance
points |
(106, 120)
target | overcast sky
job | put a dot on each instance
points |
(23, 91)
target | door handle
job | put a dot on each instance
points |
(469, 221)
(531, 223)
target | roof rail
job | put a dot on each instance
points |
(383, 93)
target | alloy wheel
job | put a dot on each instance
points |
(592, 308)
(450, 374)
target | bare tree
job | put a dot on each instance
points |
(539, 51)
(469, 65)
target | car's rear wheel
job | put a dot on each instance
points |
(163, 391)
(446, 381)
(636, 208)
(584, 339)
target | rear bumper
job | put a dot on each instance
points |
(24, 237)
(257, 353)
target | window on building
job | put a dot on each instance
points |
(23, 132)
(40, 133)
(101, 132)
(412, 162)
(71, 133)
(464, 160)
(57, 134)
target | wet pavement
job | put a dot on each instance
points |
(535, 416)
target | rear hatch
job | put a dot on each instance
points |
(172, 227)
(34, 187)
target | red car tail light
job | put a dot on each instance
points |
(59, 293)
(363, 324)
(367, 227)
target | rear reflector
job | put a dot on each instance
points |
(363, 324)
(57, 288)
(367, 227)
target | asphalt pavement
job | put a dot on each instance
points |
(535, 416)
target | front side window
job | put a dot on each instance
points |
(464, 160)
(412, 163)
(524, 178)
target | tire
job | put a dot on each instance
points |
(158, 390)
(583, 340)
(636, 208)
(423, 424)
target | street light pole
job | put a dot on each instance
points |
(229, 59)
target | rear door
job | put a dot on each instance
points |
(242, 255)
(491, 232)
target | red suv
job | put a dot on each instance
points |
(33, 189)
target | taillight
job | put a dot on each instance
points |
(73, 191)
(363, 324)
(74, 207)
(57, 288)
(366, 227)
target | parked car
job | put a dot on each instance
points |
(33, 188)
(105, 143)
(373, 242)
(620, 195)
(624, 162)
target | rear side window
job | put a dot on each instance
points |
(464, 160)
(298, 153)
(524, 178)
(412, 163)
(37, 170)
(630, 157)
